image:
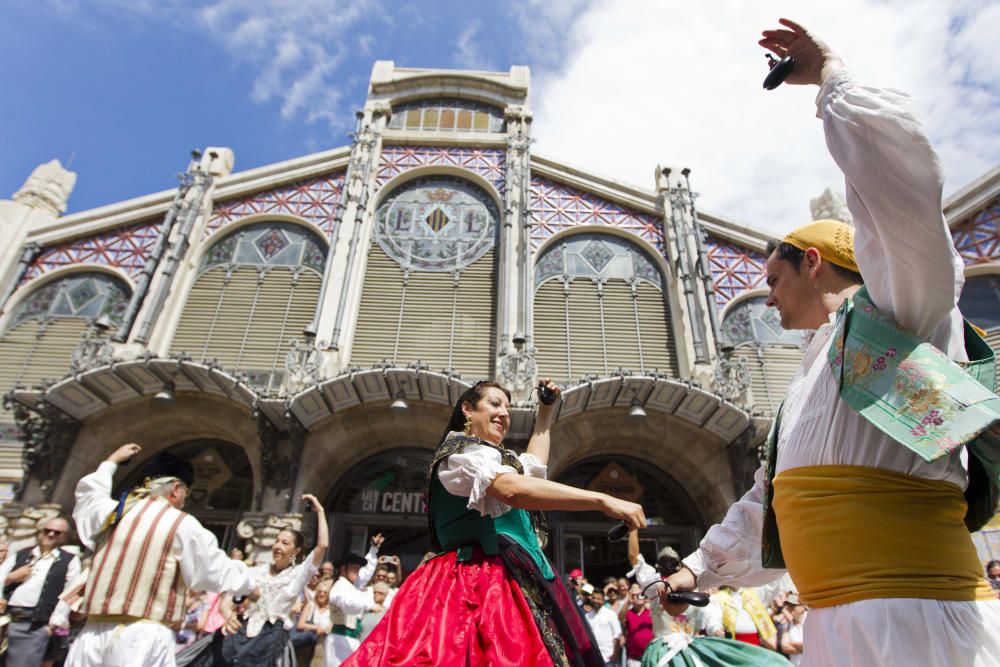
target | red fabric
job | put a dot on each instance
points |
(449, 613)
(638, 632)
(749, 638)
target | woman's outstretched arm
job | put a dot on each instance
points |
(532, 493)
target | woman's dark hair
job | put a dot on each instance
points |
(472, 395)
(793, 255)
(297, 536)
(992, 564)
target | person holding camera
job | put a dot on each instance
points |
(490, 596)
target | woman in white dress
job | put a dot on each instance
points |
(261, 639)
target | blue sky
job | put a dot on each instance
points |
(123, 89)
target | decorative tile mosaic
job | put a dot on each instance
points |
(734, 269)
(978, 240)
(490, 163)
(555, 207)
(126, 248)
(316, 200)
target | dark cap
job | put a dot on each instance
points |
(166, 464)
(350, 559)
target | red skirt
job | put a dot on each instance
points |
(449, 613)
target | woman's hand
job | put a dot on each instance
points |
(623, 510)
(544, 409)
(231, 626)
(311, 501)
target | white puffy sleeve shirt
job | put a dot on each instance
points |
(470, 472)
(204, 566)
(912, 271)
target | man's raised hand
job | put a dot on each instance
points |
(814, 60)
(124, 453)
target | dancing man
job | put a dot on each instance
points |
(148, 553)
(861, 493)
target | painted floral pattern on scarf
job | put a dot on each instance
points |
(905, 386)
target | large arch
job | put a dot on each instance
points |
(223, 484)
(190, 417)
(255, 290)
(600, 304)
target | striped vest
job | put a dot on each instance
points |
(135, 573)
(337, 615)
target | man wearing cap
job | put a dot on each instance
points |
(148, 553)
(865, 495)
(347, 605)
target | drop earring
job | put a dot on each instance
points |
(468, 426)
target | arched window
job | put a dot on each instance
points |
(599, 307)
(752, 320)
(255, 292)
(770, 353)
(429, 293)
(980, 304)
(446, 115)
(46, 325)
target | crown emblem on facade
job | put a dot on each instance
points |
(440, 195)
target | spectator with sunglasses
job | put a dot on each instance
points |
(33, 578)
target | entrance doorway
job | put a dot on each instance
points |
(384, 493)
(580, 539)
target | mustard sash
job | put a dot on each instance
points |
(852, 533)
(753, 606)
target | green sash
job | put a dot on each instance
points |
(916, 395)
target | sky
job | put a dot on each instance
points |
(121, 90)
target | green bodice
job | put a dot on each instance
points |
(459, 528)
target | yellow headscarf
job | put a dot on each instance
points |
(833, 239)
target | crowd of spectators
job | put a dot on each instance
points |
(205, 613)
(619, 615)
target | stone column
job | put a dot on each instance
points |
(515, 281)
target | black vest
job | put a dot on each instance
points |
(55, 581)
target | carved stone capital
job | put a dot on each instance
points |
(19, 523)
(259, 530)
(517, 369)
(48, 188)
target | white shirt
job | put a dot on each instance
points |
(607, 629)
(471, 471)
(713, 616)
(912, 271)
(204, 566)
(278, 594)
(26, 595)
(346, 596)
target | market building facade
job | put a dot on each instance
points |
(306, 326)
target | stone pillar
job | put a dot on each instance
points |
(338, 316)
(39, 202)
(19, 522)
(515, 361)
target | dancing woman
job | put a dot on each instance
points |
(262, 641)
(490, 597)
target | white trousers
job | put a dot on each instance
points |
(337, 649)
(897, 631)
(139, 644)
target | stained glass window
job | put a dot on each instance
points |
(447, 115)
(751, 320)
(436, 224)
(980, 301)
(83, 295)
(597, 256)
(268, 244)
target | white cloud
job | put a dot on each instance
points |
(467, 52)
(642, 83)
